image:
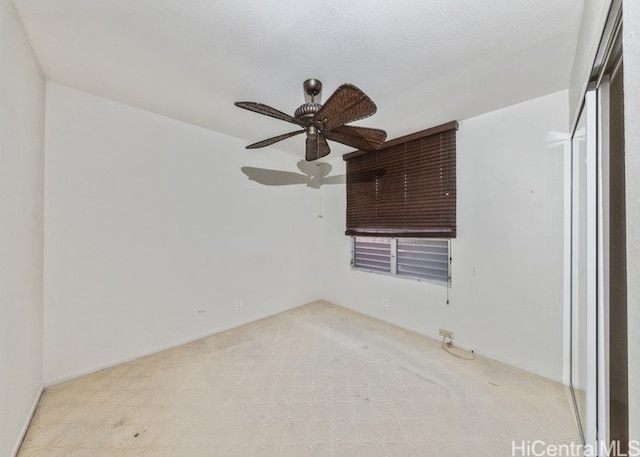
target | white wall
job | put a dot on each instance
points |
(631, 30)
(152, 234)
(506, 300)
(21, 207)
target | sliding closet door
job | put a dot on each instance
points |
(599, 364)
(615, 260)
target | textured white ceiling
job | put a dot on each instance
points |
(423, 62)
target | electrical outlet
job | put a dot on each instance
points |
(446, 333)
(238, 304)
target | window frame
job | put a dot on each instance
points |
(393, 259)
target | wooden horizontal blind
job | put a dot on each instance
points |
(405, 189)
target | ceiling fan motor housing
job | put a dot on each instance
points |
(306, 112)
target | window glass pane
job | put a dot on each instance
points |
(372, 253)
(422, 258)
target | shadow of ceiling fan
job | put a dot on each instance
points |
(314, 175)
(325, 122)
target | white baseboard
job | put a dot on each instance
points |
(520, 366)
(77, 374)
(25, 427)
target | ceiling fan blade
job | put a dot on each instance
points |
(274, 177)
(357, 137)
(346, 104)
(275, 139)
(316, 147)
(268, 111)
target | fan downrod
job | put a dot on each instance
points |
(312, 89)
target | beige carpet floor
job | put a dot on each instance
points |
(319, 380)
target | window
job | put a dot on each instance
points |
(425, 259)
(401, 205)
(405, 189)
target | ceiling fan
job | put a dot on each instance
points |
(325, 122)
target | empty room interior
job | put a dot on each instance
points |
(331, 229)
